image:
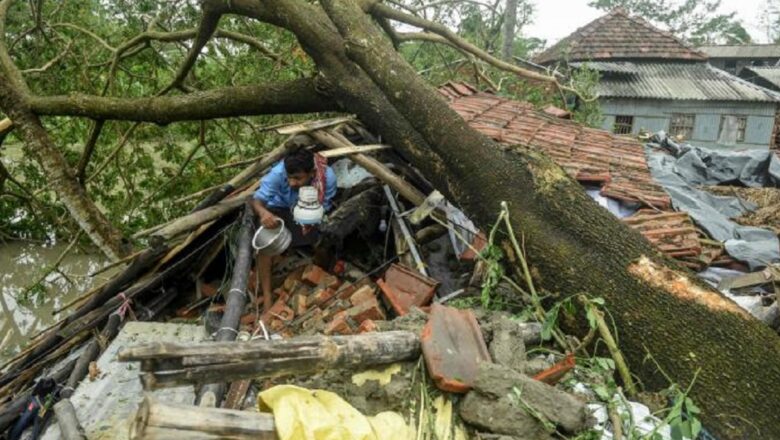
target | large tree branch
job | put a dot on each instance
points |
(141, 41)
(9, 69)
(297, 96)
(208, 25)
(89, 148)
(446, 35)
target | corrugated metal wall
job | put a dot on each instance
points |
(654, 115)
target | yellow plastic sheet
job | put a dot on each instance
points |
(302, 414)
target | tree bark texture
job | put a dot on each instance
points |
(573, 245)
(60, 176)
(509, 28)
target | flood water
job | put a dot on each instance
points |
(21, 264)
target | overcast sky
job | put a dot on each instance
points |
(555, 19)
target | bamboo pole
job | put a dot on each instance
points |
(237, 297)
(373, 166)
(157, 420)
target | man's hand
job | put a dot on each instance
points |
(269, 220)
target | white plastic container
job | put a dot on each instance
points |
(308, 210)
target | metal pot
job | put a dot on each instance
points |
(272, 241)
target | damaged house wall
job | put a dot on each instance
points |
(655, 115)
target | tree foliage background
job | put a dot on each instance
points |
(138, 173)
(696, 21)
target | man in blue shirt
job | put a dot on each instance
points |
(277, 196)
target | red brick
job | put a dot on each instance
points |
(368, 309)
(314, 321)
(281, 295)
(313, 275)
(249, 318)
(363, 294)
(301, 289)
(319, 297)
(279, 311)
(330, 281)
(346, 290)
(208, 289)
(338, 326)
(298, 304)
(293, 278)
(334, 308)
(296, 285)
(404, 288)
(367, 326)
(277, 325)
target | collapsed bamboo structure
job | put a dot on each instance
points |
(177, 249)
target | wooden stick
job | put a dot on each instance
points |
(90, 354)
(155, 420)
(70, 428)
(357, 149)
(116, 263)
(307, 126)
(195, 219)
(373, 166)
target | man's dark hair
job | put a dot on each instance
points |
(299, 161)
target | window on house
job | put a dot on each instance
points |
(623, 124)
(681, 125)
(732, 129)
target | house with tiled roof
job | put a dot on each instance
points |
(652, 81)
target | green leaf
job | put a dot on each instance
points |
(591, 315)
(550, 319)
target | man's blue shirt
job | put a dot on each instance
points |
(275, 191)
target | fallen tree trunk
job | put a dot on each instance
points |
(573, 244)
(85, 213)
(237, 297)
(175, 364)
(156, 420)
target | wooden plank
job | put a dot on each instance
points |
(313, 125)
(361, 149)
(236, 394)
(177, 364)
(373, 166)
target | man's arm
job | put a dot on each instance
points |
(267, 218)
(268, 185)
